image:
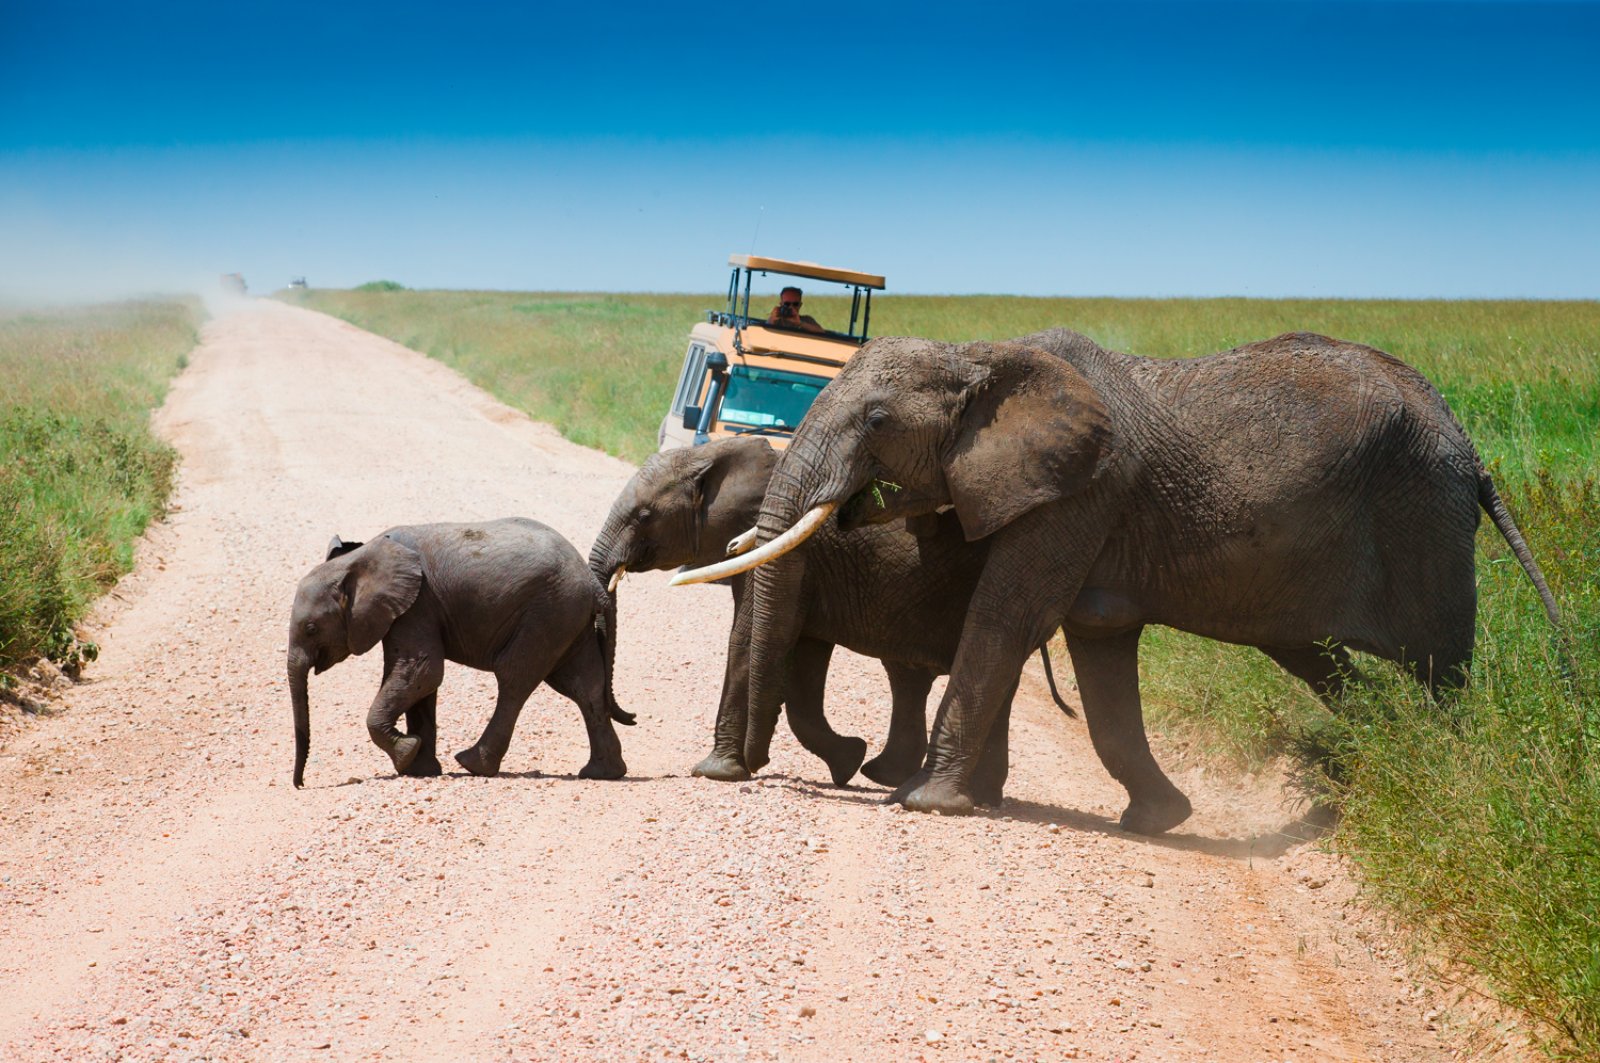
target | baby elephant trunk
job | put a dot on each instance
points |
(299, 667)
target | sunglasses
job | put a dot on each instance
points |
(791, 302)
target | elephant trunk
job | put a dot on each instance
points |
(608, 556)
(607, 561)
(776, 609)
(299, 668)
(606, 628)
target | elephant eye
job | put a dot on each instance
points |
(645, 516)
(311, 627)
(876, 419)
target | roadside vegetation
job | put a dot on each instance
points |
(81, 474)
(1477, 820)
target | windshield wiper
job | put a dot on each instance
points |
(761, 430)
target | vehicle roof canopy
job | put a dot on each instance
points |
(760, 264)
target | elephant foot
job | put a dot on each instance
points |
(988, 786)
(846, 760)
(477, 763)
(889, 769)
(603, 769)
(924, 793)
(722, 767)
(1156, 817)
(405, 752)
(988, 795)
(424, 767)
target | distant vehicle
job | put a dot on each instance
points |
(233, 282)
(297, 282)
(745, 376)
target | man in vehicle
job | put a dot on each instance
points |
(787, 313)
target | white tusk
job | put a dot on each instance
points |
(616, 578)
(741, 543)
(790, 539)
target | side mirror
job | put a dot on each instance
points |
(691, 417)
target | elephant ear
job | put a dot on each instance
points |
(730, 482)
(1031, 431)
(337, 547)
(382, 583)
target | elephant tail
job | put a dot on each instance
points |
(605, 633)
(1050, 677)
(1489, 499)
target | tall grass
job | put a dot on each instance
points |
(81, 475)
(1477, 819)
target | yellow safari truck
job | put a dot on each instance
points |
(756, 374)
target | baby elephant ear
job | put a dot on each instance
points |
(381, 584)
(337, 547)
(1032, 431)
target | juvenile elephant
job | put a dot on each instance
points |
(509, 596)
(875, 590)
(1302, 495)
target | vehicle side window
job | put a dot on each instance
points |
(694, 368)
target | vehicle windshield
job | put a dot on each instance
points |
(768, 398)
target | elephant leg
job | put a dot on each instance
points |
(1327, 670)
(985, 672)
(408, 677)
(725, 762)
(808, 679)
(1108, 681)
(989, 777)
(483, 757)
(1014, 608)
(422, 720)
(582, 679)
(907, 742)
(1442, 661)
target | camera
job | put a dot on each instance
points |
(786, 310)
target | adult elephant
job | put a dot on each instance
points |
(875, 590)
(1302, 495)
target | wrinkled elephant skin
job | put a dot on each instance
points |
(1303, 495)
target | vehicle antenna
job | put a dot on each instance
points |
(760, 211)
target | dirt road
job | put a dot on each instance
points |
(166, 894)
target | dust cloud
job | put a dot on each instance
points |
(45, 265)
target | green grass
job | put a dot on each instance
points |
(81, 475)
(1524, 377)
(1477, 820)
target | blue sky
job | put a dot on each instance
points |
(1285, 148)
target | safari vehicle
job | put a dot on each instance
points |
(745, 376)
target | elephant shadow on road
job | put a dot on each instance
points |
(1313, 823)
(1309, 825)
(532, 774)
(570, 776)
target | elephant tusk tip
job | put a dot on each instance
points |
(616, 578)
(742, 542)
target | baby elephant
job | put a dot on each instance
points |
(509, 596)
